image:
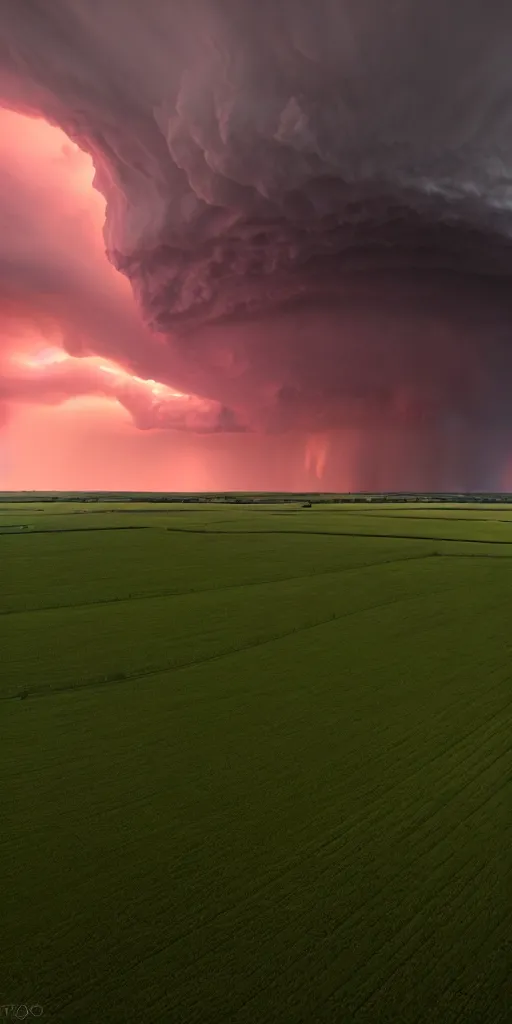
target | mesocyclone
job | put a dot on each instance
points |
(312, 203)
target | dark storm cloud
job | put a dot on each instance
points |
(312, 200)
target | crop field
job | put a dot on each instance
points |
(256, 763)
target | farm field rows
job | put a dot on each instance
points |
(256, 764)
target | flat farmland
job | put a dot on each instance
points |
(256, 763)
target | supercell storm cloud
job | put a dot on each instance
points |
(312, 202)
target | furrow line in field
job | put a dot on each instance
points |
(356, 916)
(292, 965)
(413, 991)
(371, 817)
(234, 910)
(417, 935)
(166, 945)
(360, 914)
(419, 823)
(275, 877)
(505, 927)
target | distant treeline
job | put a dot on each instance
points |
(256, 499)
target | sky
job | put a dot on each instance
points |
(255, 246)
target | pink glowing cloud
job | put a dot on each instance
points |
(51, 376)
(60, 298)
(69, 417)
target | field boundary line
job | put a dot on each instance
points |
(337, 533)
(210, 590)
(146, 673)
(5, 529)
(412, 517)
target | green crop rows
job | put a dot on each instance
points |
(256, 764)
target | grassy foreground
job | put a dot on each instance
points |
(256, 764)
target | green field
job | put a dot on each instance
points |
(256, 763)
